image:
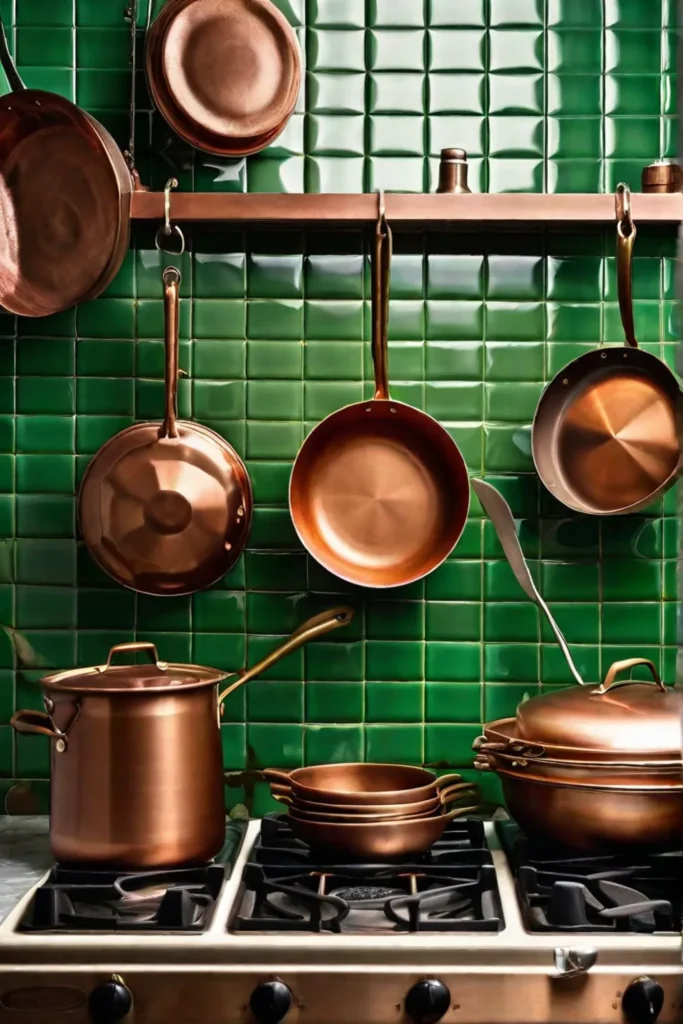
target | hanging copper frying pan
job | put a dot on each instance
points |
(605, 433)
(64, 200)
(379, 491)
(165, 508)
(225, 74)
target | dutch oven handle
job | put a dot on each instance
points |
(611, 680)
(314, 627)
(149, 648)
(513, 748)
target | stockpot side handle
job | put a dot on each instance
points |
(626, 236)
(142, 645)
(613, 671)
(36, 723)
(16, 83)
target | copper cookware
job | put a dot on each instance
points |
(605, 433)
(311, 811)
(64, 200)
(225, 74)
(361, 784)
(374, 840)
(137, 767)
(379, 491)
(165, 508)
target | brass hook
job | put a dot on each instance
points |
(168, 231)
(622, 206)
(381, 206)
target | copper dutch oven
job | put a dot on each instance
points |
(137, 767)
(594, 767)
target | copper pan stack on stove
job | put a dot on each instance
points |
(370, 811)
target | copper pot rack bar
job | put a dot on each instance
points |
(513, 209)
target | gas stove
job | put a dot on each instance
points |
(484, 927)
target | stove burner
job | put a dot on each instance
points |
(451, 888)
(602, 893)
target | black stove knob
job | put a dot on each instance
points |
(110, 1002)
(642, 1001)
(428, 1001)
(271, 1002)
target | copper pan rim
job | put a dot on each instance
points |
(672, 788)
(503, 729)
(360, 819)
(463, 501)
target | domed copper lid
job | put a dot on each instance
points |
(620, 717)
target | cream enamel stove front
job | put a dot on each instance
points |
(219, 976)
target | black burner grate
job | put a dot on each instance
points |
(450, 888)
(603, 893)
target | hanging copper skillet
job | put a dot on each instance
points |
(605, 433)
(64, 200)
(225, 74)
(379, 491)
(165, 508)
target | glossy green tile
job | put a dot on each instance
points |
(450, 744)
(394, 702)
(456, 662)
(334, 744)
(639, 622)
(394, 743)
(513, 662)
(334, 702)
(394, 660)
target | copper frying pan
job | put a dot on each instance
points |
(225, 74)
(379, 491)
(605, 433)
(64, 200)
(165, 508)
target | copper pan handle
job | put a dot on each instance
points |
(8, 66)
(446, 780)
(451, 793)
(381, 269)
(626, 236)
(498, 511)
(282, 798)
(280, 779)
(458, 812)
(314, 627)
(171, 277)
(623, 666)
(142, 645)
(511, 748)
(38, 723)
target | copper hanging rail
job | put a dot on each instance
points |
(514, 209)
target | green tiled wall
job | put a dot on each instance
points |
(545, 94)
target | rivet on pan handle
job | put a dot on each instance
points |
(611, 680)
(626, 236)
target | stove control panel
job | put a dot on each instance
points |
(428, 1001)
(270, 1002)
(642, 1001)
(110, 1002)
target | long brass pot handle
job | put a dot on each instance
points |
(314, 627)
(142, 645)
(626, 236)
(623, 666)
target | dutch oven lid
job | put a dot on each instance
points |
(619, 716)
(157, 677)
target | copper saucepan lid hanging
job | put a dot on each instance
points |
(605, 433)
(165, 508)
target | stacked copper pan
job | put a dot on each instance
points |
(225, 75)
(370, 811)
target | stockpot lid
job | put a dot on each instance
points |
(155, 677)
(619, 717)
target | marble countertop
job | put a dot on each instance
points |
(24, 856)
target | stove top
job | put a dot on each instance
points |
(561, 892)
(450, 888)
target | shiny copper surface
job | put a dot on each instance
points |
(662, 176)
(453, 172)
(605, 434)
(375, 840)
(225, 74)
(137, 769)
(379, 491)
(357, 819)
(166, 508)
(359, 783)
(318, 811)
(64, 200)
(584, 818)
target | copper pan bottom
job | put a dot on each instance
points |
(379, 494)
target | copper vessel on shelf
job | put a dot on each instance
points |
(137, 765)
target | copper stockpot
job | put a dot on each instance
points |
(137, 767)
(377, 840)
(360, 783)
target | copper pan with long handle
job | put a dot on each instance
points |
(605, 436)
(137, 763)
(379, 492)
(64, 200)
(165, 508)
